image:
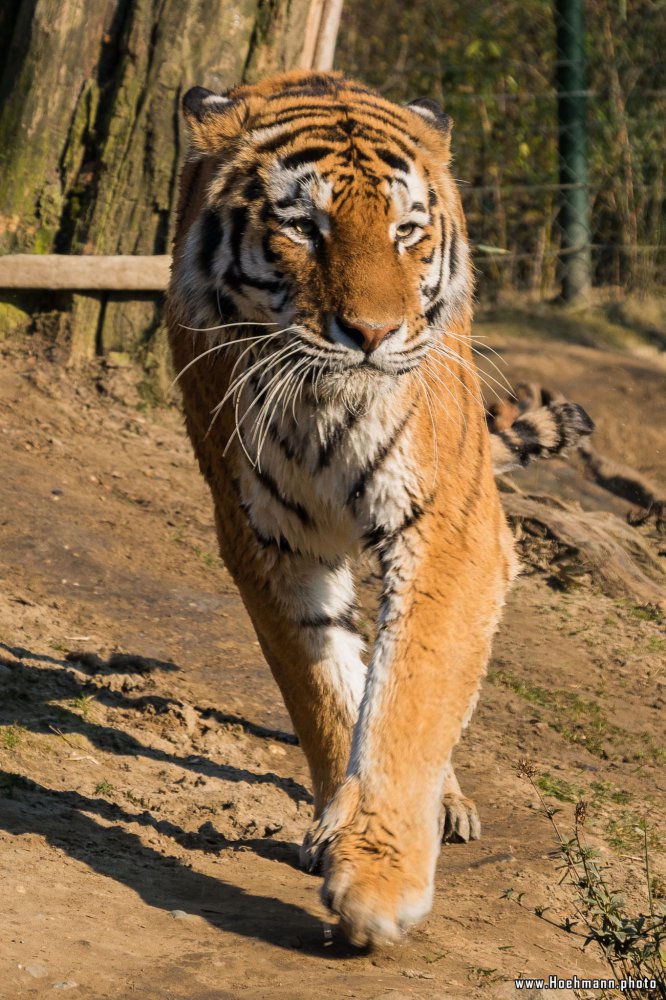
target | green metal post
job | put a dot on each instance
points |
(574, 193)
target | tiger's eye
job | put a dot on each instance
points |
(304, 226)
(404, 230)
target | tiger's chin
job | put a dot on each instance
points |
(356, 388)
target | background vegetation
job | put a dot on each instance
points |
(492, 66)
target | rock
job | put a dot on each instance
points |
(416, 974)
(179, 914)
(65, 984)
(36, 969)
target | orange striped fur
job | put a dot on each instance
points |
(351, 419)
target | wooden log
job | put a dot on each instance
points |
(57, 272)
(614, 555)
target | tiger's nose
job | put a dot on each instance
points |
(367, 336)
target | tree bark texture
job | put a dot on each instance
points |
(91, 139)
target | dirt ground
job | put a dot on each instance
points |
(152, 795)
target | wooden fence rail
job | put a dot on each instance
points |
(63, 272)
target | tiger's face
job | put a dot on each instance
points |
(332, 214)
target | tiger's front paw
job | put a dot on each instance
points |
(377, 893)
(377, 887)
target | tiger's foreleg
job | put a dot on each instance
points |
(380, 835)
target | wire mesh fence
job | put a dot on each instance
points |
(494, 67)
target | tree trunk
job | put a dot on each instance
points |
(91, 140)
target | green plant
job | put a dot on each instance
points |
(11, 736)
(645, 612)
(634, 945)
(577, 720)
(209, 558)
(104, 788)
(82, 704)
(557, 788)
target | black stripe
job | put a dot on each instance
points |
(417, 207)
(432, 311)
(393, 161)
(235, 276)
(268, 251)
(430, 290)
(314, 131)
(327, 449)
(453, 253)
(254, 188)
(211, 237)
(280, 543)
(381, 536)
(379, 110)
(239, 217)
(443, 236)
(345, 621)
(522, 440)
(366, 130)
(266, 541)
(293, 506)
(284, 445)
(297, 110)
(319, 86)
(361, 484)
(308, 155)
(558, 419)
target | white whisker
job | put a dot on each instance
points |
(275, 399)
(447, 388)
(224, 326)
(486, 379)
(274, 358)
(479, 353)
(219, 347)
(434, 428)
(253, 402)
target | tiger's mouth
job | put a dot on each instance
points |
(397, 354)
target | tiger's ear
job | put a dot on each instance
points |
(431, 112)
(213, 119)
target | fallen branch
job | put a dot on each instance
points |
(79, 755)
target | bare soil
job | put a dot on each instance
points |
(152, 795)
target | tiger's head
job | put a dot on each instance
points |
(331, 212)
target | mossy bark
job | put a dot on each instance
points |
(91, 140)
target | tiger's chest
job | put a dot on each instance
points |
(324, 480)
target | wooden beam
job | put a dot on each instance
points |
(321, 32)
(64, 272)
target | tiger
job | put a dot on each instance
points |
(319, 317)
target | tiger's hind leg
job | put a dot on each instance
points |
(460, 818)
